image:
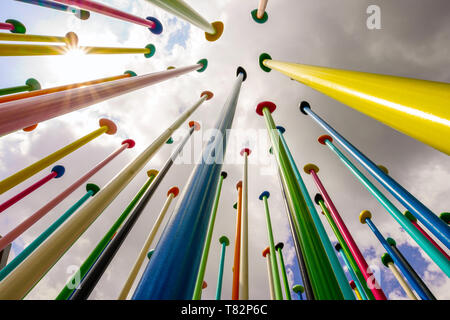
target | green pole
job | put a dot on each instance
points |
(279, 247)
(201, 272)
(30, 85)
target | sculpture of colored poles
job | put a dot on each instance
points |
(95, 273)
(298, 289)
(266, 254)
(81, 14)
(365, 217)
(29, 272)
(260, 15)
(172, 272)
(331, 254)
(279, 248)
(425, 215)
(57, 172)
(273, 257)
(150, 22)
(410, 269)
(19, 114)
(389, 263)
(181, 9)
(27, 223)
(318, 266)
(421, 240)
(417, 108)
(171, 194)
(68, 289)
(106, 126)
(13, 26)
(243, 260)
(355, 289)
(91, 190)
(237, 244)
(30, 85)
(224, 242)
(71, 39)
(204, 260)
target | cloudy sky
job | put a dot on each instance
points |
(414, 41)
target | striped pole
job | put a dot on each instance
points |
(260, 15)
(173, 271)
(365, 217)
(91, 189)
(89, 262)
(19, 282)
(273, 258)
(421, 240)
(243, 260)
(204, 260)
(13, 26)
(389, 263)
(317, 263)
(80, 14)
(298, 289)
(106, 126)
(98, 269)
(425, 215)
(224, 242)
(19, 114)
(35, 217)
(30, 85)
(355, 289)
(70, 39)
(278, 248)
(57, 171)
(266, 254)
(331, 254)
(417, 108)
(410, 269)
(237, 244)
(171, 194)
(181, 9)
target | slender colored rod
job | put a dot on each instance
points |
(261, 8)
(67, 39)
(243, 260)
(30, 85)
(283, 272)
(350, 269)
(237, 247)
(266, 254)
(224, 242)
(426, 235)
(353, 285)
(389, 263)
(6, 26)
(81, 14)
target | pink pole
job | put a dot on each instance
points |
(26, 224)
(429, 238)
(19, 114)
(57, 172)
(362, 264)
(6, 26)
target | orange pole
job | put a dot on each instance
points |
(237, 245)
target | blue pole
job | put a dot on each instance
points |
(172, 271)
(438, 227)
(225, 242)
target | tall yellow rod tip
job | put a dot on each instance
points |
(112, 128)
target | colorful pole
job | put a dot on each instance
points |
(425, 215)
(16, 115)
(377, 293)
(28, 273)
(260, 15)
(224, 242)
(204, 260)
(365, 218)
(410, 269)
(417, 108)
(237, 244)
(70, 39)
(331, 254)
(57, 171)
(95, 273)
(421, 240)
(389, 263)
(355, 289)
(13, 26)
(68, 289)
(27, 223)
(266, 254)
(171, 194)
(319, 269)
(172, 272)
(30, 85)
(181, 9)
(243, 259)
(278, 248)
(273, 258)
(81, 14)
(91, 189)
(106, 126)
(298, 289)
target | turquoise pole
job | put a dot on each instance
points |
(225, 242)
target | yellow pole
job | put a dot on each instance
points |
(106, 126)
(70, 38)
(417, 108)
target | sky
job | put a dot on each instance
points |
(414, 41)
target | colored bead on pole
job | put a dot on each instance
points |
(13, 26)
(30, 85)
(225, 243)
(80, 14)
(237, 244)
(260, 15)
(279, 248)
(298, 289)
(389, 263)
(243, 260)
(353, 286)
(266, 254)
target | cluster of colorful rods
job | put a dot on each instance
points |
(176, 267)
